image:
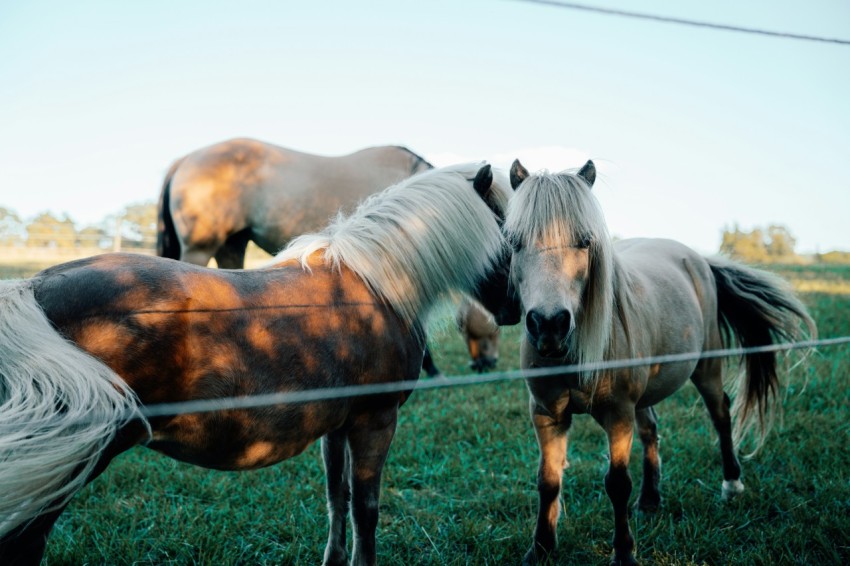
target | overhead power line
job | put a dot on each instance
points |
(682, 21)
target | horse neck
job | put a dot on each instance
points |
(623, 314)
(601, 317)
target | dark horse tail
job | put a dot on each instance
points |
(756, 308)
(166, 235)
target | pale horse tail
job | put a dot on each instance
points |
(59, 409)
(757, 308)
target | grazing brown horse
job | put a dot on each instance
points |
(84, 344)
(480, 333)
(217, 199)
(585, 300)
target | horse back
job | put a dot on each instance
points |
(137, 312)
(274, 191)
(174, 331)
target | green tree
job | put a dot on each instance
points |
(12, 229)
(138, 225)
(47, 231)
(744, 246)
(759, 246)
(93, 236)
(781, 244)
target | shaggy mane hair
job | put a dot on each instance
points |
(416, 240)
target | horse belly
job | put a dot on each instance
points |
(246, 440)
(664, 380)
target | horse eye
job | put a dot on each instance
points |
(584, 242)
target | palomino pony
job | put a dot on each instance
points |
(84, 344)
(480, 334)
(586, 300)
(217, 198)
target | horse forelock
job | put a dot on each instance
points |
(555, 209)
(558, 210)
(416, 240)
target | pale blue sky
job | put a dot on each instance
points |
(691, 129)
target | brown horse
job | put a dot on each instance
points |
(586, 300)
(218, 198)
(84, 344)
(480, 333)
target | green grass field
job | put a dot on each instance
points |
(459, 486)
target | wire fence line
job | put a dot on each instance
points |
(575, 370)
(571, 373)
(683, 21)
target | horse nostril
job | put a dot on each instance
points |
(551, 329)
(562, 322)
(534, 322)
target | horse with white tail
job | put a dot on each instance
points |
(84, 345)
(585, 299)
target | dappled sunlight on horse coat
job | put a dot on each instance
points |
(344, 307)
(218, 198)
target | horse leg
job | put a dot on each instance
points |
(650, 496)
(232, 254)
(708, 379)
(25, 545)
(551, 430)
(196, 256)
(369, 442)
(339, 494)
(428, 364)
(619, 426)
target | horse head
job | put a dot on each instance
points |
(494, 292)
(560, 261)
(480, 333)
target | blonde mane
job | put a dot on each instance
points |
(416, 240)
(559, 210)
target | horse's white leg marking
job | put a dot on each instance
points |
(731, 489)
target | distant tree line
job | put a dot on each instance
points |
(775, 244)
(134, 227)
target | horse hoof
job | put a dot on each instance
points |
(731, 488)
(623, 560)
(647, 507)
(533, 558)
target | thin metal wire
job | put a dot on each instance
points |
(570, 373)
(331, 393)
(682, 21)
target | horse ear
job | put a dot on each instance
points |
(518, 174)
(588, 173)
(483, 181)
